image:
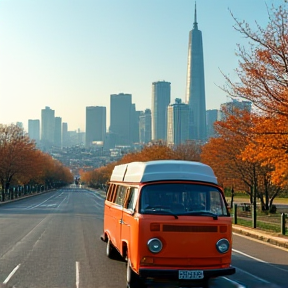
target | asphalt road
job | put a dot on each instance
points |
(53, 241)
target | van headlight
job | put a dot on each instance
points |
(223, 245)
(154, 245)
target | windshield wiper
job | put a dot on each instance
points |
(159, 209)
(202, 213)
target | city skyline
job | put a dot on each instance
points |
(93, 49)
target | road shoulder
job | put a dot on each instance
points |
(271, 238)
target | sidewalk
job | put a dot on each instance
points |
(271, 238)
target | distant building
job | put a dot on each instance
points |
(110, 141)
(161, 95)
(121, 118)
(178, 123)
(76, 138)
(65, 135)
(211, 118)
(145, 126)
(195, 93)
(58, 132)
(134, 124)
(231, 107)
(47, 127)
(95, 124)
(20, 125)
(34, 130)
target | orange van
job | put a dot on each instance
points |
(169, 220)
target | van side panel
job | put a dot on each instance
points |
(111, 214)
(130, 235)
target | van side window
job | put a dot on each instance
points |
(120, 196)
(132, 198)
(111, 192)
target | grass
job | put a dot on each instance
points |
(244, 198)
(261, 225)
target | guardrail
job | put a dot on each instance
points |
(21, 191)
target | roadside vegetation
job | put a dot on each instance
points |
(21, 163)
(250, 152)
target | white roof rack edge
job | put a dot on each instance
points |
(163, 170)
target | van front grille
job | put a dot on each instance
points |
(178, 228)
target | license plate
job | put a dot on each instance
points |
(190, 274)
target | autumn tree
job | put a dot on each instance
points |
(263, 75)
(21, 163)
(226, 155)
(53, 172)
(223, 154)
(17, 153)
(97, 176)
(156, 150)
(190, 151)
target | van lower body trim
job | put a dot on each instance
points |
(173, 273)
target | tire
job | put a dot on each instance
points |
(110, 250)
(133, 279)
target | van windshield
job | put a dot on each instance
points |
(182, 199)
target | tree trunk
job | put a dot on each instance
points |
(3, 195)
(232, 197)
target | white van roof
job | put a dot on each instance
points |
(163, 170)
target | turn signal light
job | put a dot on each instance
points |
(147, 260)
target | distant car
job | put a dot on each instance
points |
(77, 181)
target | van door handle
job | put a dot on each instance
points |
(122, 222)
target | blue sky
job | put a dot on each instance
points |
(69, 54)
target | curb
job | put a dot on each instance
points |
(274, 239)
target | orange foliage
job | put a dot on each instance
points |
(263, 69)
(152, 151)
(263, 74)
(22, 163)
(269, 145)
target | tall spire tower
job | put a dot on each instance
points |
(195, 90)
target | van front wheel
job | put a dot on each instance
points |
(133, 279)
(110, 250)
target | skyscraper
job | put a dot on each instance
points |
(47, 127)
(231, 107)
(34, 130)
(195, 91)
(95, 124)
(211, 118)
(65, 138)
(145, 126)
(161, 94)
(178, 123)
(58, 132)
(121, 118)
(134, 124)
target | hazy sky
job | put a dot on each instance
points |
(69, 54)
